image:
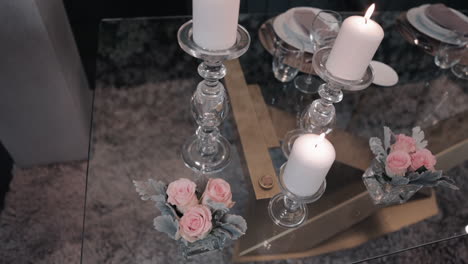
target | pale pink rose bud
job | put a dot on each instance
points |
(219, 191)
(398, 162)
(196, 223)
(181, 193)
(424, 158)
(404, 143)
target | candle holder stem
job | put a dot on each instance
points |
(208, 151)
(290, 204)
(320, 116)
(286, 212)
(289, 210)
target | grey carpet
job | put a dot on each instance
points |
(43, 218)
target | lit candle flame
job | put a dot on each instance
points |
(369, 12)
(320, 139)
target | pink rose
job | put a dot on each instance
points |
(404, 143)
(195, 224)
(424, 158)
(219, 191)
(398, 162)
(181, 193)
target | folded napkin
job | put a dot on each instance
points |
(445, 17)
(305, 19)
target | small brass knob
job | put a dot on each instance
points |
(266, 182)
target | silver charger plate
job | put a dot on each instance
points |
(418, 19)
(290, 32)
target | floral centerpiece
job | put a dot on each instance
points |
(199, 220)
(402, 166)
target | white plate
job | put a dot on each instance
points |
(295, 27)
(384, 75)
(418, 19)
(287, 29)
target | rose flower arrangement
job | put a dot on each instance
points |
(193, 217)
(404, 160)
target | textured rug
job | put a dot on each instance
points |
(42, 221)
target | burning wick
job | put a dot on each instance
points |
(320, 139)
(369, 12)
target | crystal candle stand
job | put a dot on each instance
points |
(289, 210)
(208, 151)
(319, 116)
(461, 71)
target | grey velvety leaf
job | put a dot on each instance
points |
(216, 206)
(166, 209)
(234, 231)
(168, 225)
(150, 189)
(236, 220)
(235, 225)
(447, 184)
(211, 241)
(144, 189)
(218, 215)
(413, 176)
(221, 233)
(418, 136)
(399, 180)
(389, 173)
(387, 137)
(159, 187)
(430, 176)
(377, 148)
(158, 198)
(447, 179)
(435, 178)
(184, 241)
(377, 167)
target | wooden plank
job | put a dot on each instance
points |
(386, 220)
(323, 226)
(250, 131)
(351, 149)
(282, 121)
(263, 117)
(448, 141)
(340, 207)
(452, 156)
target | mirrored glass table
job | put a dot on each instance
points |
(141, 118)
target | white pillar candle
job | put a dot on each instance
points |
(354, 47)
(215, 23)
(309, 162)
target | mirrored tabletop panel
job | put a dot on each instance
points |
(142, 117)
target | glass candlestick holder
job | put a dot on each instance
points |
(461, 71)
(289, 210)
(320, 116)
(207, 151)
